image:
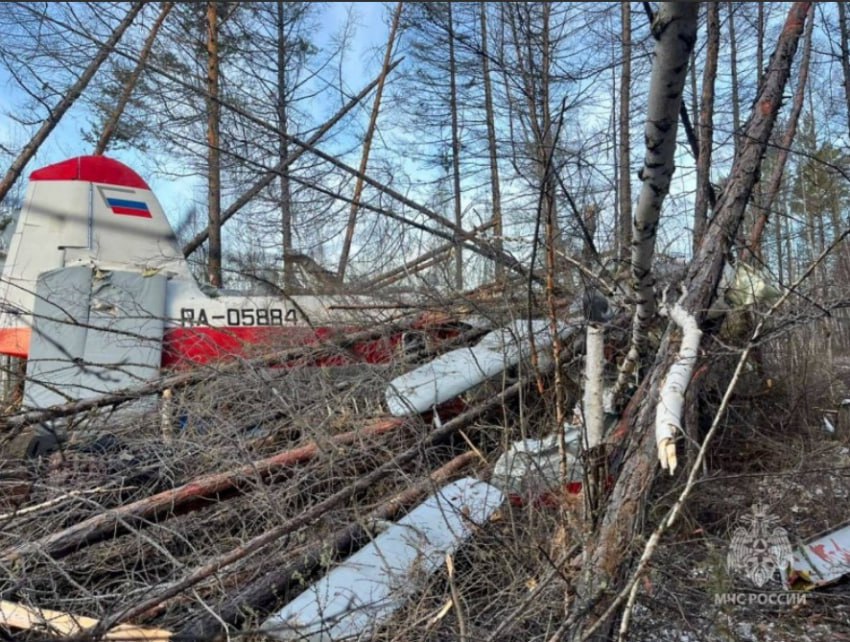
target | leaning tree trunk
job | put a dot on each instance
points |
(753, 249)
(674, 28)
(610, 547)
(706, 122)
(367, 145)
(130, 85)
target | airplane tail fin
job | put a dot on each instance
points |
(89, 210)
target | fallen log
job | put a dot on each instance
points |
(171, 502)
(58, 623)
(261, 597)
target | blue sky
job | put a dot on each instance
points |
(359, 65)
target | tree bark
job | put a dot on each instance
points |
(458, 208)
(130, 85)
(492, 147)
(674, 28)
(65, 104)
(269, 176)
(753, 249)
(760, 44)
(289, 283)
(367, 145)
(213, 155)
(706, 122)
(610, 546)
(624, 226)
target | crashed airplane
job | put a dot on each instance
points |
(97, 294)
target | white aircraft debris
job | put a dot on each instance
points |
(457, 371)
(356, 597)
(531, 468)
(820, 561)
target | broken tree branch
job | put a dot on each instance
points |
(58, 623)
(171, 502)
(668, 412)
(261, 596)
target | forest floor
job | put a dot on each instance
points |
(511, 582)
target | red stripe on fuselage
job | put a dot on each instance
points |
(186, 347)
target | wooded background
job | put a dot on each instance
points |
(479, 109)
(490, 143)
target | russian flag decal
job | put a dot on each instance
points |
(126, 207)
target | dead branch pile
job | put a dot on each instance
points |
(216, 508)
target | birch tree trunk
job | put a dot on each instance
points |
(610, 547)
(492, 147)
(65, 104)
(213, 156)
(674, 29)
(130, 85)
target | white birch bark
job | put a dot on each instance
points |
(593, 366)
(668, 412)
(674, 29)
